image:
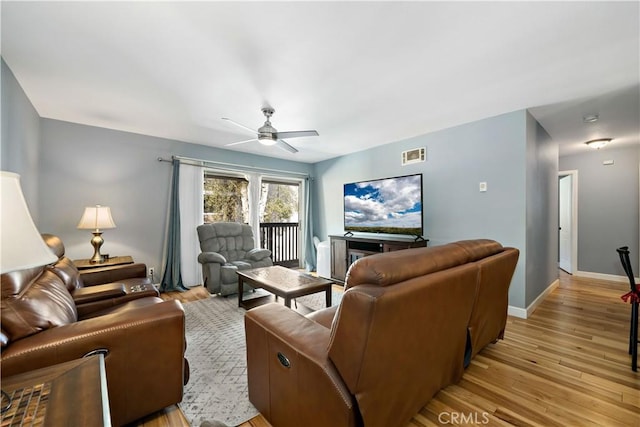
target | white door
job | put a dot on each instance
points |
(565, 216)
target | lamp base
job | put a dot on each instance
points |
(96, 242)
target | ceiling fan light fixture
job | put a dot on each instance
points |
(598, 143)
(267, 140)
(268, 135)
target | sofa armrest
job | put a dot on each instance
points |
(99, 276)
(97, 293)
(276, 337)
(141, 343)
(258, 254)
(206, 257)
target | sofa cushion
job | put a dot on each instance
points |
(324, 316)
(54, 243)
(383, 269)
(479, 248)
(489, 315)
(64, 267)
(400, 344)
(68, 273)
(34, 300)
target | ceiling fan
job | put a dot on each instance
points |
(268, 135)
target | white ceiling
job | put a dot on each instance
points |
(361, 73)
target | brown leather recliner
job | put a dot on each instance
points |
(400, 334)
(141, 336)
(102, 287)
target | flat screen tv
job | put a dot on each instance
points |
(390, 206)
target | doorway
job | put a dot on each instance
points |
(568, 221)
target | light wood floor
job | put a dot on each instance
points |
(567, 365)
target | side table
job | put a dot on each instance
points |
(85, 264)
(69, 394)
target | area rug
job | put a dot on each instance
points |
(216, 350)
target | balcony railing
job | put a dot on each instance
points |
(281, 238)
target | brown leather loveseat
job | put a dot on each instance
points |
(400, 334)
(49, 316)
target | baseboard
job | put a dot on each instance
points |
(517, 312)
(525, 313)
(603, 276)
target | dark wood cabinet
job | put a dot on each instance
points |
(85, 264)
(338, 258)
(345, 250)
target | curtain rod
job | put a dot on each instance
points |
(208, 163)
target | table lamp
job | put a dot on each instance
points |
(21, 246)
(95, 218)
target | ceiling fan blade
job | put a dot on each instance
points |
(297, 133)
(280, 143)
(239, 125)
(240, 142)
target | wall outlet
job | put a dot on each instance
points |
(152, 271)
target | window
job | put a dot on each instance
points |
(226, 198)
(279, 202)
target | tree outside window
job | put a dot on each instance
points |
(280, 202)
(226, 199)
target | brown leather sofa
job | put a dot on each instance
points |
(405, 324)
(49, 316)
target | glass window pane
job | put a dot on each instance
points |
(279, 202)
(225, 199)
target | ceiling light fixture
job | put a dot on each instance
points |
(598, 143)
(590, 118)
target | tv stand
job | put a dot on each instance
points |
(345, 249)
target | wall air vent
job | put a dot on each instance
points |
(416, 155)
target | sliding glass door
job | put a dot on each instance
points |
(273, 210)
(279, 221)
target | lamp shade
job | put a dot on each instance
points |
(22, 246)
(96, 217)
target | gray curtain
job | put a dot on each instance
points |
(172, 278)
(310, 248)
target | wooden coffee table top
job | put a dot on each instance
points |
(283, 282)
(282, 278)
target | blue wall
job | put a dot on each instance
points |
(76, 166)
(458, 159)
(20, 152)
(84, 165)
(607, 207)
(542, 210)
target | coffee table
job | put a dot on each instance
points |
(282, 282)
